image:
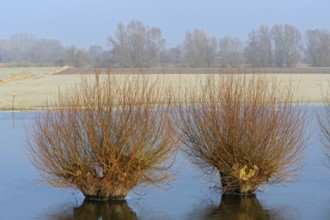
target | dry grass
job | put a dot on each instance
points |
(106, 136)
(245, 127)
(15, 77)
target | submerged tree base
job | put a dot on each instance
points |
(239, 192)
(102, 198)
(104, 210)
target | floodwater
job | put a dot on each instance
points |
(190, 196)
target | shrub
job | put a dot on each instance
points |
(244, 126)
(105, 136)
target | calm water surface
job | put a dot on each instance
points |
(190, 195)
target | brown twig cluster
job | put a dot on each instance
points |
(111, 133)
(105, 136)
(244, 126)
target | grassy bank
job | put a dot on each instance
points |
(40, 90)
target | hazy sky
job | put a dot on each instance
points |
(87, 22)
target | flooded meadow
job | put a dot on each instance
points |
(191, 195)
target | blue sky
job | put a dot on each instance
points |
(87, 22)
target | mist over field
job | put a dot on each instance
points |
(171, 33)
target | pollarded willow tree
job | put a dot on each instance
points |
(246, 127)
(105, 136)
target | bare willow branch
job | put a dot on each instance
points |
(324, 121)
(244, 126)
(106, 136)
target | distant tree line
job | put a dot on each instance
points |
(137, 45)
(26, 49)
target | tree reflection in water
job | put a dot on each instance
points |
(96, 210)
(236, 207)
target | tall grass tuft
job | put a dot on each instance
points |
(105, 136)
(246, 127)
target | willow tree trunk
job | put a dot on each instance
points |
(232, 184)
